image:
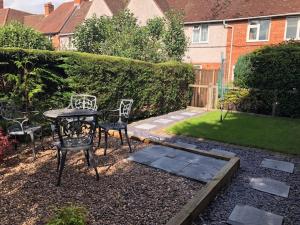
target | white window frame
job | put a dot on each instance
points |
(199, 27)
(258, 31)
(298, 28)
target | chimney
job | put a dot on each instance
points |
(1, 4)
(49, 8)
(78, 2)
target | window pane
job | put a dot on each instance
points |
(196, 35)
(291, 29)
(204, 32)
(253, 33)
(264, 29)
(254, 22)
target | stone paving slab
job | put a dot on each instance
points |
(185, 145)
(177, 117)
(270, 186)
(182, 163)
(248, 215)
(278, 165)
(163, 121)
(223, 152)
(188, 114)
(145, 126)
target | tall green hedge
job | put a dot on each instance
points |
(273, 75)
(155, 88)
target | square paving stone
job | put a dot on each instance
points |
(223, 152)
(278, 165)
(270, 186)
(185, 145)
(143, 157)
(163, 121)
(198, 172)
(188, 114)
(145, 126)
(158, 150)
(169, 165)
(248, 215)
(177, 117)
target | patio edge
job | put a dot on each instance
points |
(202, 198)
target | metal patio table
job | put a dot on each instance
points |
(53, 114)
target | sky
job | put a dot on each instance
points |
(33, 6)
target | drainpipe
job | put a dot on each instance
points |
(231, 45)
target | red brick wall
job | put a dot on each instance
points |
(241, 46)
(209, 66)
(55, 42)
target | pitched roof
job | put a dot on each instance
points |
(8, 15)
(116, 6)
(204, 10)
(33, 21)
(76, 18)
(53, 23)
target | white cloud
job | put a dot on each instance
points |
(33, 6)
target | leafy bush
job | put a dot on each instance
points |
(159, 40)
(17, 35)
(54, 76)
(273, 75)
(70, 215)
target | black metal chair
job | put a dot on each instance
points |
(21, 124)
(116, 120)
(75, 133)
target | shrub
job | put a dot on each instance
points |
(155, 88)
(17, 35)
(273, 75)
(70, 215)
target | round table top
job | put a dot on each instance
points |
(69, 112)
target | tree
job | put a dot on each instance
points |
(120, 35)
(17, 35)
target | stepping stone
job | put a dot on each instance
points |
(158, 150)
(163, 121)
(188, 114)
(248, 215)
(169, 165)
(198, 172)
(145, 126)
(143, 157)
(278, 165)
(270, 186)
(185, 145)
(222, 152)
(177, 117)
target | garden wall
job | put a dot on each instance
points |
(46, 79)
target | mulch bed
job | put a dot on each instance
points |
(127, 192)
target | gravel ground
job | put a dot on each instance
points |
(239, 191)
(127, 193)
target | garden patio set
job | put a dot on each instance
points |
(73, 128)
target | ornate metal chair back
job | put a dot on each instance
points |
(84, 102)
(125, 109)
(76, 131)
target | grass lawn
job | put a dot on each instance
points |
(277, 134)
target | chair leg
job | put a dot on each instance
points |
(62, 165)
(86, 153)
(120, 133)
(58, 159)
(106, 142)
(91, 156)
(99, 141)
(128, 141)
(33, 144)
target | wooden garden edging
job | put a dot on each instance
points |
(203, 197)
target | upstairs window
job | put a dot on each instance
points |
(200, 34)
(258, 30)
(292, 28)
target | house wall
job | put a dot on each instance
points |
(66, 42)
(208, 55)
(144, 10)
(242, 47)
(55, 41)
(99, 8)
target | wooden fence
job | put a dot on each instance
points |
(205, 89)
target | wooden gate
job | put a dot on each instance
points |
(205, 89)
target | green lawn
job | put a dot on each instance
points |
(277, 134)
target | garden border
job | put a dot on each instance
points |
(202, 198)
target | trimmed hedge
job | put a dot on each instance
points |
(155, 88)
(273, 75)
